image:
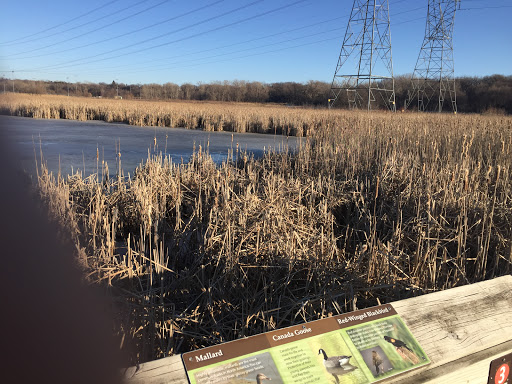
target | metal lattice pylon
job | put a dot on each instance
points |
(365, 65)
(433, 76)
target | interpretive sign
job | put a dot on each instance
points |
(499, 373)
(364, 346)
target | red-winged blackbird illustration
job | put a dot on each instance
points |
(403, 350)
(377, 361)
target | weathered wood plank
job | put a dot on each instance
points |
(166, 370)
(471, 369)
(462, 330)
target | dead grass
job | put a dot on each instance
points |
(209, 116)
(372, 208)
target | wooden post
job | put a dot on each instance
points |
(461, 330)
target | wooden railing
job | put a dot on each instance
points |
(461, 330)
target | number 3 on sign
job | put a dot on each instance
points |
(502, 374)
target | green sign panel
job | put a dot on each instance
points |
(359, 347)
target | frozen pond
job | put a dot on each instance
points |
(77, 143)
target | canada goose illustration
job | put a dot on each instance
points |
(260, 377)
(377, 361)
(334, 361)
(406, 353)
(337, 365)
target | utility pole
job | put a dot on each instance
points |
(433, 78)
(12, 81)
(365, 65)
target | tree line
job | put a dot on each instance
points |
(474, 94)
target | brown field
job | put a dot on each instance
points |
(373, 208)
(209, 116)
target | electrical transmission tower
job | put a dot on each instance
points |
(433, 78)
(365, 66)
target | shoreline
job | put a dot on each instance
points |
(78, 143)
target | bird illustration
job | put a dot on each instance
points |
(337, 365)
(403, 350)
(260, 377)
(377, 361)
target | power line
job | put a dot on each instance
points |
(118, 36)
(216, 48)
(410, 10)
(237, 57)
(243, 42)
(136, 31)
(258, 54)
(202, 59)
(58, 25)
(91, 31)
(66, 65)
(248, 41)
(250, 49)
(63, 65)
(202, 62)
(409, 21)
(491, 7)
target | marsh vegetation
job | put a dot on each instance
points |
(371, 208)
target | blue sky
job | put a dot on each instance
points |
(159, 41)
